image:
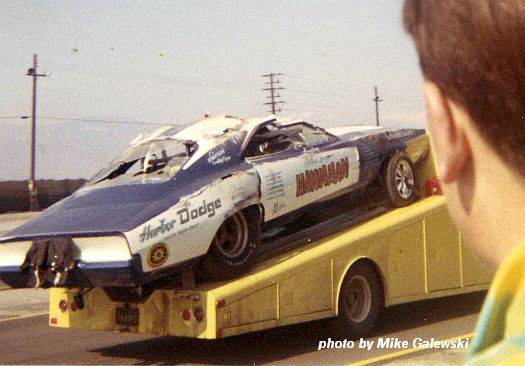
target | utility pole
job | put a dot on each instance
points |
(377, 100)
(33, 203)
(274, 94)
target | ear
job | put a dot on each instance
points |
(448, 137)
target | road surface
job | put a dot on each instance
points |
(31, 341)
(10, 221)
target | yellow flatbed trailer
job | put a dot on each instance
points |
(412, 253)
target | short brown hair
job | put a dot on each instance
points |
(474, 50)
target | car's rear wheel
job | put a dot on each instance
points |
(234, 247)
(400, 180)
(360, 302)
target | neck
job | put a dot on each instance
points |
(498, 212)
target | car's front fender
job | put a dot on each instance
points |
(187, 229)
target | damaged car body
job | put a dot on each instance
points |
(199, 197)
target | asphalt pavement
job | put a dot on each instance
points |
(32, 341)
(23, 302)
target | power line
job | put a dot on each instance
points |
(141, 76)
(320, 120)
(322, 105)
(324, 82)
(95, 120)
(273, 91)
(303, 91)
(194, 82)
(106, 121)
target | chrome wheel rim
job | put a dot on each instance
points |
(358, 299)
(404, 178)
(232, 237)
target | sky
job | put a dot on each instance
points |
(169, 62)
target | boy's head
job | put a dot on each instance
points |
(474, 51)
(472, 55)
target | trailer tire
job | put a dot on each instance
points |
(360, 302)
(400, 180)
(234, 248)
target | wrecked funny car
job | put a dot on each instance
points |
(200, 197)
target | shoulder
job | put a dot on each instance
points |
(500, 333)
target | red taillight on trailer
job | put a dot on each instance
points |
(186, 315)
(433, 187)
(74, 306)
(63, 306)
(199, 314)
(53, 321)
(221, 303)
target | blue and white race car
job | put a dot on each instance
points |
(200, 196)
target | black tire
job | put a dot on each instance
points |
(234, 247)
(400, 180)
(361, 301)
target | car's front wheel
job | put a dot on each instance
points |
(400, 180)
(234, 247)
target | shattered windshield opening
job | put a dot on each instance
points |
(154, 161)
